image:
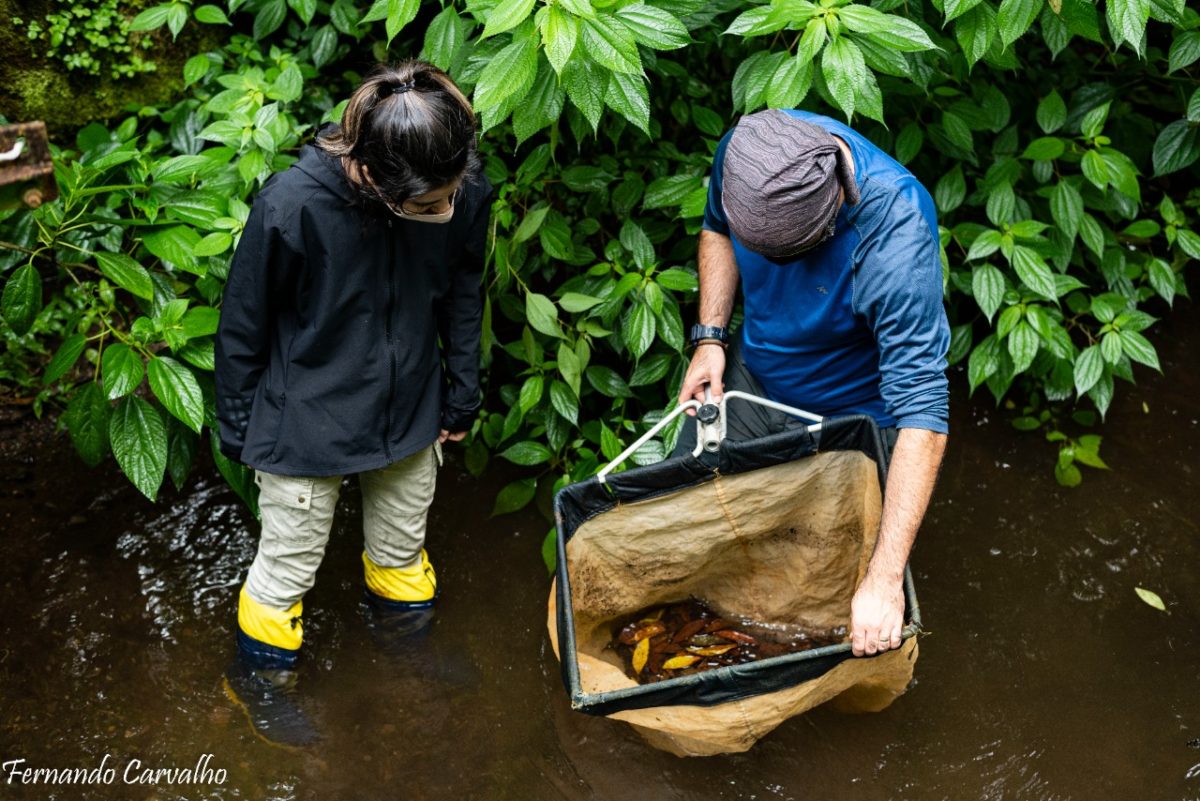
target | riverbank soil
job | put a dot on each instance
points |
(1042, 675)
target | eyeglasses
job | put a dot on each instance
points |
(399, 208)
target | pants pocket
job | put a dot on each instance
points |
(291, 491)
(437, 453)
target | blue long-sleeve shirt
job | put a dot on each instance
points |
(857, 325)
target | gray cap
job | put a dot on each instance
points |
(780, 182)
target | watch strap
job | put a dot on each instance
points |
(701, 332)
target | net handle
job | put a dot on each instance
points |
(708, 435)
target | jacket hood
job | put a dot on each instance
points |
(326, 170)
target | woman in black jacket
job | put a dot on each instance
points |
(349, 343)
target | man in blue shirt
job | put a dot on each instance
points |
(836, 248)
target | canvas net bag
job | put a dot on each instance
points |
(777, 530)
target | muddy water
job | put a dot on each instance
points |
(1042, 675)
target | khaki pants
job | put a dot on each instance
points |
(297, 514)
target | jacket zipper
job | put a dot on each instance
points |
(387, 425)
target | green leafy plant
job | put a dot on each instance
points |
(1059, 138)
(91, 36)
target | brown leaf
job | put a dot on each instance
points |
(736, 636)
(689, 629)
(649, 630)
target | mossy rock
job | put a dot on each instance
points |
(35, 87)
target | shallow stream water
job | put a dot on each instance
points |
(1041, 675)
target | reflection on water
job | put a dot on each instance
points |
(1041, 676)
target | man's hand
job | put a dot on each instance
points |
(877, 610)
(446, 436)
(876, 616)
(707, 367)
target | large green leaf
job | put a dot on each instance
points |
(844, 70)
(890, 30)
(956, 8)
(560, 32)
(542, 106)
(629, 96)
(1089, 367)
(181, 452)
(638, 329)
(950, 190)
(1034, 272)
(177, 389)
(755, 22)
(531, 393)
(1138, 348)
(654, 27)
(976, 31)
(506, 15)
(542, 314)
(510, 73)
(1177, 147)
(586, 85)
(1051, 112)
(634, 240)
(1066, 206)
(1015, 17)
(1185, 50)
(126, 273)
(527, 453)
(87, 422)
(564, 401)
(670, 190)
(443, 38)
(139, 443)
(1023, 345)
(121, 370)
(608, 382)
(269, 17)
(790, 84)
(610, 42)
(174, 245)
(22, 298)
(984, 361)
(987, 284)
(1127, 21)
(64, 359)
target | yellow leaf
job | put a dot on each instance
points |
(681, 661)
(712, 650)
(640, 653)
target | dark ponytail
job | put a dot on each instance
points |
(411, 127)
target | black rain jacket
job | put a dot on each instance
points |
(327, 353)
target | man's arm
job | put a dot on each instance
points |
(877, 611)
(718, 289)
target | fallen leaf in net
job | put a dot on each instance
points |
(639, 655)
(680, 662)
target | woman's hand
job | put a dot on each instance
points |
(446, 436)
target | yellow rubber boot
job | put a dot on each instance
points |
(412, 587)
(267, 637)
(261, 680)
